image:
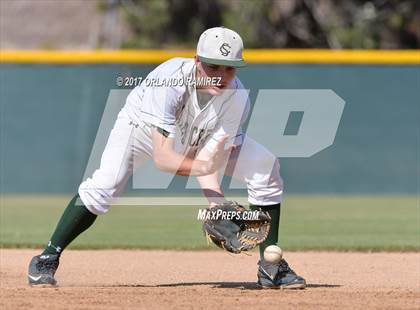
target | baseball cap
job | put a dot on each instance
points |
(221, 46)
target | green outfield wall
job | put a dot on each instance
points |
(50, 114)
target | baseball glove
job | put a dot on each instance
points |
(232, 227)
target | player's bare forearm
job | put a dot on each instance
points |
(211, 189)
(166, 159)
(210, 184)
(191, 167)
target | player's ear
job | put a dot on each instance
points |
(198, 63)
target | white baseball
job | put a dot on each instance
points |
(273, 254)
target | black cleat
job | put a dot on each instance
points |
(42, 269)
(278, 276)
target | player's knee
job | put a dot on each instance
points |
(266, 188)
(109, 181)
(275, 172)
(267, 163)
(107, 185)
(95, 203)
(268, 174)
(99, 192)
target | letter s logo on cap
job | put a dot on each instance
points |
(224, 49)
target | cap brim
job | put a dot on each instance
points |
(223, 62)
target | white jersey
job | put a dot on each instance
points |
(175, 108)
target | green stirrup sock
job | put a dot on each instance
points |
(272, 238)
(75, 220)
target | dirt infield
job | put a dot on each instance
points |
(128, 279)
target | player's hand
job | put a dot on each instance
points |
(219, 156)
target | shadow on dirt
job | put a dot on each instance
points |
(237, 285)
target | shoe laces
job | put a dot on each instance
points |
(47, 265)
(284, 268)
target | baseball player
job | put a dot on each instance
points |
(191, 128)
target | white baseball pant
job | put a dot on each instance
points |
(129, 145)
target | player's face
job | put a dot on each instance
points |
(225, 73)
